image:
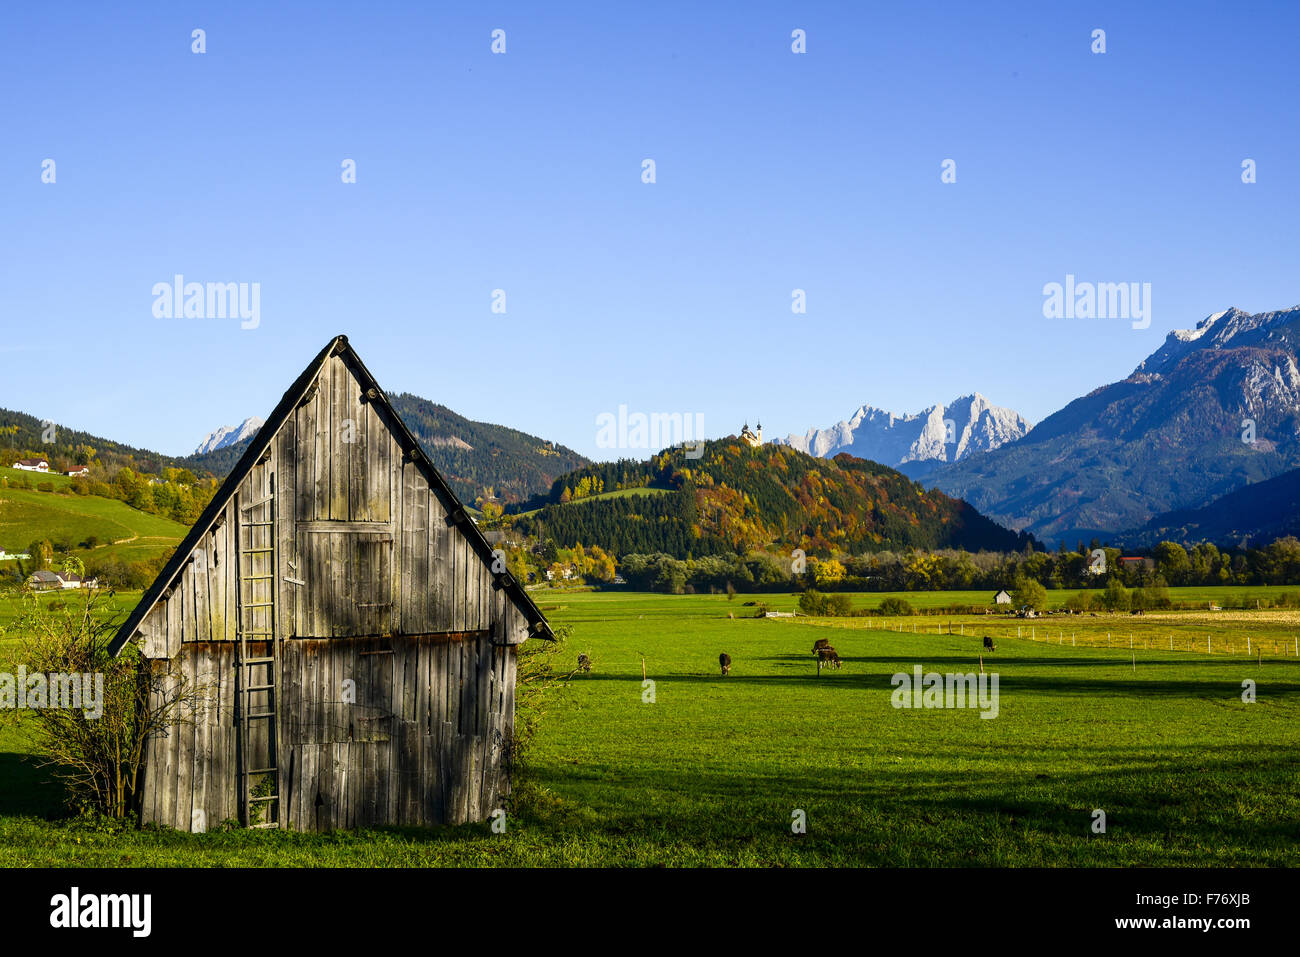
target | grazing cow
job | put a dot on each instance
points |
(819, 644)
(988, 644)
(724, 659)
(584, 663)
(827, 658)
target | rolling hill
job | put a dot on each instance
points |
(736, 498)
(97, 530)
(20, 433)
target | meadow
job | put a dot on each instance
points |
(28, 515)
(705, 770)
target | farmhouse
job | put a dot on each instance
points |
(49, 581)
(78, 470)
(43, 581)
(1002, 598)
(350, 636)
(32, 465)
(1137, 561)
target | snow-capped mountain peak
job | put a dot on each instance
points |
(923, 437)
(228, 435)
(1232, 326)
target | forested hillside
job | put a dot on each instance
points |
(736, 498)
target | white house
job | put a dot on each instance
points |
(49, 581)
(32, 465)
(78, 470)
(1002, 598)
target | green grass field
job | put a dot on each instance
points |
(711, 772)
(27, 515)
(13, 476)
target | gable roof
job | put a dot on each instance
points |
(339, 346)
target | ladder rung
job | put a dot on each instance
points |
(261, 714)
(254, 551)
(274, 824)
(254, 504)
(259, 687)
(256, 604)
(256, 578)
(262, 771)
(257, 661)
(255, 524)
(268, 797)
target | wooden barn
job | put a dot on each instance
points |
(351, 636)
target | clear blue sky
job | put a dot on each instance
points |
(523, 172)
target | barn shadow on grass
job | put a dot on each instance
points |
(29, 790)
(1229, 686)
(1183, 807)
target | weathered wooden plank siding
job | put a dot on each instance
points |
(367, 586)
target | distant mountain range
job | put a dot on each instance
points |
(225, 435)
(916, 444)
(1215, 408)
(1182, 448)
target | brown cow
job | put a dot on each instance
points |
(827, 658)
(724, 660)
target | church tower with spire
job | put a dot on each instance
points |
(753, 439)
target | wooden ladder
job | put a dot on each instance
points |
(258, 673)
